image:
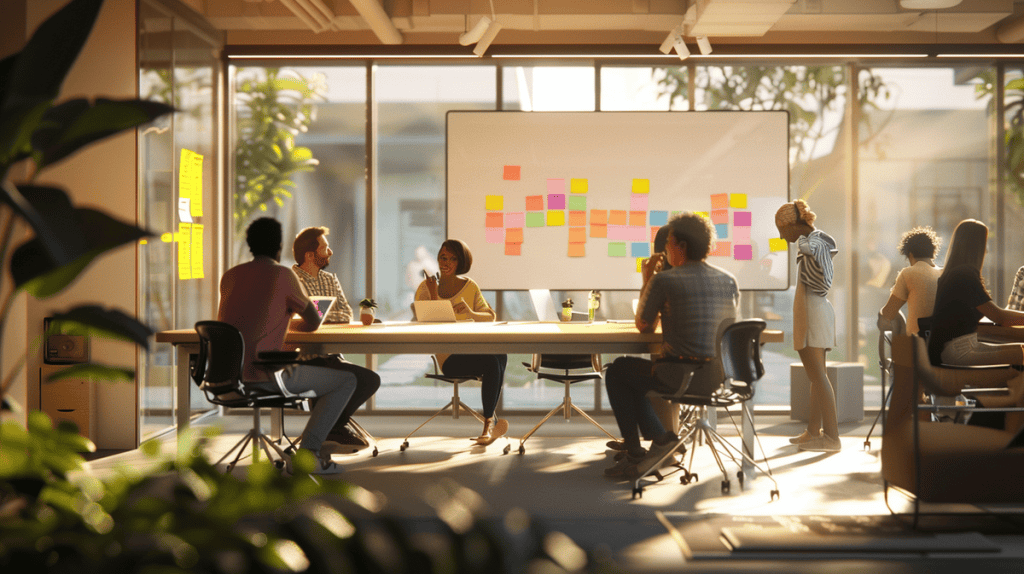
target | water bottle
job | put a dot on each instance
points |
(593, 302)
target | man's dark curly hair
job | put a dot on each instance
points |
(921, 242)
(264, 237)
(696, 231)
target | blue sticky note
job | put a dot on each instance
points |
(641, 249)
(659, 218)
(722, 230)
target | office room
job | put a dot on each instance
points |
(397, 126)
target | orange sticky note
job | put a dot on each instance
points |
(577, 235)
(722, 249)
(598, 230)
(511, 172)
(577, 250)
(599, 216)
(513, 248)
(534, 202)
(495, 220)
(638, 218)
(514, 235)
(617, 217)
(720, 216)
(654, 233)
(720, 201)
(577, 218)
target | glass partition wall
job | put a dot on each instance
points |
(875, 150)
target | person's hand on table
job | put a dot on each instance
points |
(461, 307)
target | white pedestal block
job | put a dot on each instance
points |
(847, 383)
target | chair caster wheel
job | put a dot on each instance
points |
(695, 477)
(507, 449)
(739, 475)
(774, 494)
(638, 492)
(278, 464)
(725, 487)
(230, 468)
(522, 449)
(375, 451)
(404, 446)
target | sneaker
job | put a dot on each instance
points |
(804, 437)
(625, 468)
(823, 443)
(656, 453)
(346, 436)
(619, 445)
(323, 466)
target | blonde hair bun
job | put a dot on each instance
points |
(796, 211)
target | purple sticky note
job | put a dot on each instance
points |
(743, 252)
(495, 234)
(514, 219)
(741, 218)
(556, 200)
(556, 186)
(638, 202)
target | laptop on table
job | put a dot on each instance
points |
(439, 311)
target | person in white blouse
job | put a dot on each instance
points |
(915, 285)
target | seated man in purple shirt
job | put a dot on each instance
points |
(259, 299)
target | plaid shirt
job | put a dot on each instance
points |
(326, 285)
(1016, 300)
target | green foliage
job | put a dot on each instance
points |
(277, 105)
(1013, 102)
(368, 304)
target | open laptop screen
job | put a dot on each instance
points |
(323, 307)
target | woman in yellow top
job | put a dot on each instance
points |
(454, 259)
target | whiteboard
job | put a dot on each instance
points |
(570, 200)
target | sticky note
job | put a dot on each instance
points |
(534, 203)
(577, 235)
(654, 233)
(513, 248)
(556, 217)
(638, 218)
(578, 202)
(535, 219)
(722, 249)
(703, 214)
(598, 216)
(741, 218)
(641, 249)
(640, 264)
(741, 235)
(638, 202)
(577, 218)
(618, 232)
(578, 185)
(777, 244)
(598, 230)
(197, 250)
(556, 186)
(641, 186)
(495, 202)
(719, 216)
(184, 251)
(514, 219)
(495, 234)
(738, 200)
(511, 172)
(721, 230)
(637, 233)
(719, 201)
(514, 235)
(577, 250)
(659, 218)
(617, 217)
(556, 201)
(617, 249)
(495, 220)
(743, 252)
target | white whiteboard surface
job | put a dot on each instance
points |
(686, 158)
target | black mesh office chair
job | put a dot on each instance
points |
(724, 382)
(455, 404)
(217, 371)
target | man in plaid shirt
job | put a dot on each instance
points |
(312, 254)
(1016, 300)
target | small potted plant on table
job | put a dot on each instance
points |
(367, 308)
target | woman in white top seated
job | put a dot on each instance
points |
(915, 285)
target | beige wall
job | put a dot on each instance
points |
(104, 177)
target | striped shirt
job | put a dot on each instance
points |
(326, 285)
(815, 260)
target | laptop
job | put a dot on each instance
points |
(323, 307)
(439, 311)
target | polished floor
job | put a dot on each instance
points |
(559, 483)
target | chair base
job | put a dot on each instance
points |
(455, 405)
(568, 407)
(260, 441)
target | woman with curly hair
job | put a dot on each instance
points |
(916, 284)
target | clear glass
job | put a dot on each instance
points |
(548, 88)
(644, 89)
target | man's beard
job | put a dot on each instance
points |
(321, 262)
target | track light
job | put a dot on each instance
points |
(670, 40)
(704, 45)
(681, 50)
(492, 31)
(473, 36)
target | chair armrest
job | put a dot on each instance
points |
(277, 356)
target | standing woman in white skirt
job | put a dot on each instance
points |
(814, 321)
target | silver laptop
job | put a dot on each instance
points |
(439, 311)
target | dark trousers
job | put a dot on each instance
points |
(492, 367)
(367, 383)
(628, 380)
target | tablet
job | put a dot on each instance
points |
(323, 307)
(439, 311)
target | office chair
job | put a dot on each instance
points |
(886, 366)
(455, 404)
(217, 371)
(726, 381)
(563, 365)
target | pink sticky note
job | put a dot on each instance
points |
(514, 235)
(577, 218)
(599, 230)
(637, 232)
(638, 202)
(741, 218)
(556, 201)
(577, 235)
(511, 172)
(599, 216)
(720, 201)
(618, 232)
(513, 248)
(495, 234)
(556, 186)
(514, 219)
(638, 218)
(534, 203)
(617, 217)
(495, 220)
(741, 235)
(743, 252)
(577, 250)
(719, 216)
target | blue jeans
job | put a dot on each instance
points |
(628, 380)
(332, 388)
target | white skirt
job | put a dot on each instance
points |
(814, 320)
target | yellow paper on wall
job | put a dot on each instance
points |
(190, 180)
(184, 251)
(777, 244)
(197, 251)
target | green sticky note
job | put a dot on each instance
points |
(577, 203)
(617, 249)
(535, 219)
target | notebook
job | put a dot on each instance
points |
(323, 307)
(439, 311)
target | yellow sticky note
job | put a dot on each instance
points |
(184, 251)
(495, 202)
(641, 186)
(703, 214)
(197, 251)
(777, 244)
(556, 217)
(738, 200)
(190, 180)
(578, 185)
(639, 264)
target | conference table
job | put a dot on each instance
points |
(522, 337)
(1001, 334)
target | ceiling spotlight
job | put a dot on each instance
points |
(492, 31)
(681, 48)
(473, 36)
(670, 40)
(704, 45)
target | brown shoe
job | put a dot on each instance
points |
(494, 428)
